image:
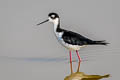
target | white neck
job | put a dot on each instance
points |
(56, 23)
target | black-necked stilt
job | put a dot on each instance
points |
(69, 39)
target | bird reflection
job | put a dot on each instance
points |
(82, 76)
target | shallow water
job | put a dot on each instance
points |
(30, 52)
(82, 76)
(38, 68)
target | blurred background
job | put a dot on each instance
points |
(30, 52)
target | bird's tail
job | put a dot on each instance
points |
(103, 42)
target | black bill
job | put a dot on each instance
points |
(43, 22)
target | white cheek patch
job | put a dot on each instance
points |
(55, 21)
(50, 19)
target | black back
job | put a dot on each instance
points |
(75, 38)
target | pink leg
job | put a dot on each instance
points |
(71, 61)
(70, 56)
(79, 61)
(78, 56)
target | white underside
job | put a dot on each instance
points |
(71, 47)
(59, 37)
(66, 45)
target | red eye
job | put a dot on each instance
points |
(53, 16)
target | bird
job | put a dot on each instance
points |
(71, 40)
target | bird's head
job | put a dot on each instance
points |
(52, 17)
